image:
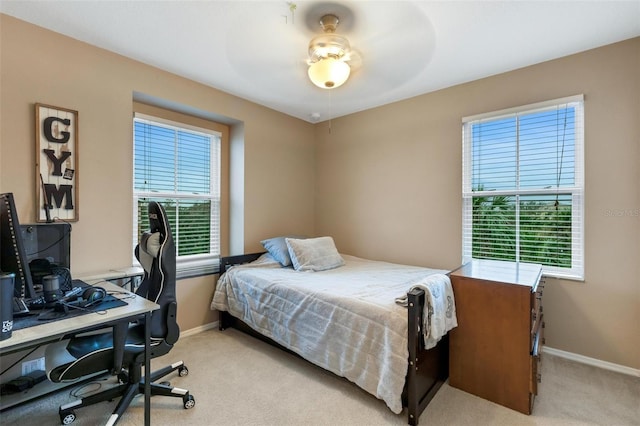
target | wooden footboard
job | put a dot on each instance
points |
(427, 371)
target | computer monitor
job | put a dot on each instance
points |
(13, 257)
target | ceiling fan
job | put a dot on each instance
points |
(330, 55)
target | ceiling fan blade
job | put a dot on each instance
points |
(354, 59)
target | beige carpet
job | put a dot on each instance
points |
(237, 380)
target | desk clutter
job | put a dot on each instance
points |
(146, 327)
(82, 299)
(54, 304)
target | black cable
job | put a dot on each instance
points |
(76, 392)
(42, 316)
(128, 282)
(126, 294)
(559, 167)
(20, 360)
(82, 308)
(66, 234)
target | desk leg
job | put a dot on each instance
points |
(147, 369)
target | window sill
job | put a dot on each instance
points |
(566, 277)
(194, 267)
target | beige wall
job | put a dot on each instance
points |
(389, 187)
(385, 183)
(41, 66)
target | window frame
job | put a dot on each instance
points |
(196, 264)
(576, 272)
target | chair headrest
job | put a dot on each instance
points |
(149, 248)
(158, 221)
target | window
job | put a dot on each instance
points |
(178, 165)
(523, 186)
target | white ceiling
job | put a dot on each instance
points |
(257, 50)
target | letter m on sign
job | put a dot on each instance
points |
(59, 194)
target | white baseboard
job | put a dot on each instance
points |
(592, 361)
(199, 329)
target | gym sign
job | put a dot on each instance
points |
(56, 163)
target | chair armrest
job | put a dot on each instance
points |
(173, 330)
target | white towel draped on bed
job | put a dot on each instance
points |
(440, 309)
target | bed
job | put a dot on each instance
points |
(363, 320)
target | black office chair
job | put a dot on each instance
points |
(77, 357)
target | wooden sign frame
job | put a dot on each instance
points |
(56, 163)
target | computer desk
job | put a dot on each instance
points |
(48, 332)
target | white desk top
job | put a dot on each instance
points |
(134, 271)
(50, 331)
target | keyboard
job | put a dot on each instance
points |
(19, 306)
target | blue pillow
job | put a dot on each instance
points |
(277, 248)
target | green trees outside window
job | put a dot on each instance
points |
(544, 229)
(191, 219)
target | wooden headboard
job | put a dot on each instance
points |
(227, 262)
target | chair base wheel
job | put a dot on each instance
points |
(188, 401)
(67, 417)
(123, 377)
(183, 371)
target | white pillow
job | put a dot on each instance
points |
(314, 254)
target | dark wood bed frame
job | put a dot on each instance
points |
(427, 371)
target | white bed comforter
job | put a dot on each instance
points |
(344, 320)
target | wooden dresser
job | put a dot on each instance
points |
(495, 351)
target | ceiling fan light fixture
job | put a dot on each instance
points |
(326, 45)
(327, 54)
(329, 73)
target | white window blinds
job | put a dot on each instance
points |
(178, 165)
(523, 186)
